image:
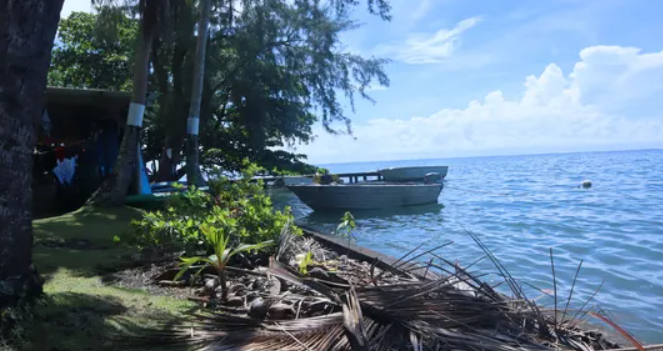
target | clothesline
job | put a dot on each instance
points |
(59, 148)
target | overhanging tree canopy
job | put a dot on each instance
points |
(274, 68)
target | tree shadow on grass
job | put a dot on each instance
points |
(86, 263)
(83, 241)
(98, 226)
(76, 322)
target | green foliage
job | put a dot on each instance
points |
(278, 162)
(90, 52)
(306, 261)
(273, 70)
(178, 226)
(318, 178)
(282, 71)
(239, 204)
(257, 219)
(218, 237)
(346, 227)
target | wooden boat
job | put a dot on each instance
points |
(411, 174)
(366, 196)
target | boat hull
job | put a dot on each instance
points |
(366, 197)
(411, 174)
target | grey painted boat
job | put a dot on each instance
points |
(411, 174)
(366, 196)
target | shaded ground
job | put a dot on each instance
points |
(143, 278)
(82, 241)
(81, 310)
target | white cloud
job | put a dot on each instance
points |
(428, 48)
(421, 10)
(556, 112)
(74, 6)
(612, 75)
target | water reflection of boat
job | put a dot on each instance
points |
(366, 196)
(332, 217)
(411, 174)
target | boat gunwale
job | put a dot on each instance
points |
(356, 185)
(410, 167)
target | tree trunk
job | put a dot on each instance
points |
(175, 117)
(27, 31)
(165, 98)
(114, 190)
(193, 175)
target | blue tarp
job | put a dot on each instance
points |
(145, 188)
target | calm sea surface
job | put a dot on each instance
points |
(520, 207)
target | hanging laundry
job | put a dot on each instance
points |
(59, 172)
(65, 170)
(71, 169)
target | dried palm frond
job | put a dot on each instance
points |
(451, 308)
(353, 321)
(286, 241)
(217, 331)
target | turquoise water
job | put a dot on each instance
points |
(521, 206)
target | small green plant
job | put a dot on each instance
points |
(346, 227)
(219, 238)
(305, 262)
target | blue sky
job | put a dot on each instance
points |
(488, 77)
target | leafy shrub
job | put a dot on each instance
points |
(256, 218)
(178, 226)
(241, 201)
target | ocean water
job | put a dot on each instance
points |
(520, 207)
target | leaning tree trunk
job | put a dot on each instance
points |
(193, 173)
(114, 190)
(27, 31)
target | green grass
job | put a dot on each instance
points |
(93, 230)
(98, 226)
(80, 311)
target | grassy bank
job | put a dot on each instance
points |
(80, 311)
